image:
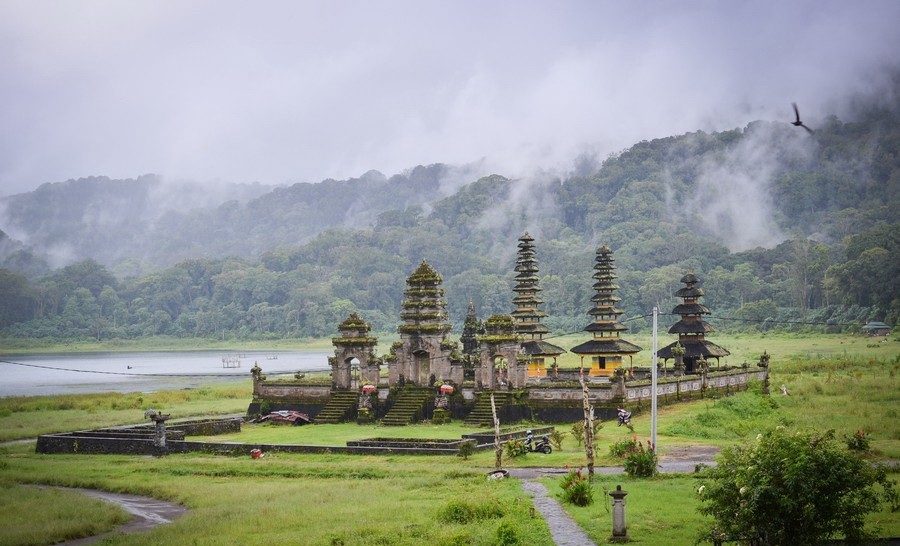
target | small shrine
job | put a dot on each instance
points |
(424, 355)
(606, 350)
(354, 348)
(528, 314)
(692, 348)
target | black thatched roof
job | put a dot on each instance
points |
(693, 327)
(689, 292)
(690, 278)
(694, 349)
(605, 327)
(605, 346)
(541, 348)
(690, 309)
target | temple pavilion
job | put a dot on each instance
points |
(692, 344)
(528, 315)
(606, 350)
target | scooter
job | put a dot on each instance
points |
(541, 444)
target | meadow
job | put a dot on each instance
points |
(837, 382)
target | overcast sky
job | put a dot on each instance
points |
(286, 91)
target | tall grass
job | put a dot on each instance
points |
(44, 516)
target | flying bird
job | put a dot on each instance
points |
(798, 123)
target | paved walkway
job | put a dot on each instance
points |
(563, 529)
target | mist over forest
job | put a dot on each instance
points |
(779, 224)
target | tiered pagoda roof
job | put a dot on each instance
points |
(692, 329)
(355, 331)
(424, 308)
(471, 328)
(606, 326)
(528, 314)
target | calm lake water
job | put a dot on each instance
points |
(23, 381)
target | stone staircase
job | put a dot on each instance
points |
(410, 404)
(481, 415)
(339, 407)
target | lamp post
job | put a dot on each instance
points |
(653, 379)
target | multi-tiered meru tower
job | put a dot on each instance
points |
(606, 350)
(528, 314)
(692, 344)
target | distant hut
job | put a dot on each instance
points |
(606, 349)
(874, 328)
(691, 329)
(528, 314)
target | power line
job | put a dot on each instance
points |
(133, 374)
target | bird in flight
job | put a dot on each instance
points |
(798, 123)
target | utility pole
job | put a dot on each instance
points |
(653, 379)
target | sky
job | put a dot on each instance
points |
(281, 92)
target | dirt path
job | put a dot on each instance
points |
(146, 513)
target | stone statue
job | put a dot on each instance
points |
(159, 419)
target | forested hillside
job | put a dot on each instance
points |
(778, 223)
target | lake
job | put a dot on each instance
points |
(208, 366)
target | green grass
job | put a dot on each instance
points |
(663, 510)
(12, 346)
(30, 416)
(309, 499)
(43, 516)
(338, 434)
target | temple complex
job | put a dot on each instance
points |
(504, 360)
(424, 355)
(606, 350)
(528, 314)
(692, 346)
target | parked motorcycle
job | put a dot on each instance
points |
(541, 444)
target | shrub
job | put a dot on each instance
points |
(622, 448)
(578, 432)
(641, 463)
(858, 441)
(784, 488)
(576, 489)
(556, 439)
(459, 511)
(466, 450)
(507, 534)
(515, 448)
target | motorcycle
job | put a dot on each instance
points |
(624, 417)
(541, 444)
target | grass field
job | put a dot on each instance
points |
(835, 382)
(43, 516)
(663, 510)
(308, 499)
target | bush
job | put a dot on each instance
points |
(507, 534)
(641, 463)
(515, 448)
(458, 511)
(800, 488)
(858, 441)
(577, 489)
(466, 450)
(578, 432)
(556, 439)
(622, 448)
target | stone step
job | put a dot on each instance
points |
(338, 408)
